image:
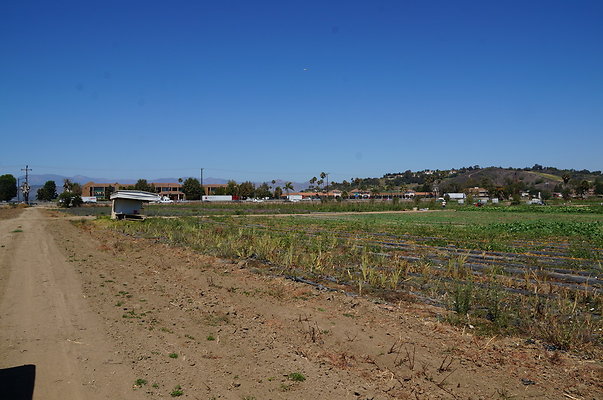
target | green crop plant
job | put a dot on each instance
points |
(394, 278)
(463, 296)
(364, 265)
(296, 377)
(177, 391)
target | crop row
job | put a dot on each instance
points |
(489, 294)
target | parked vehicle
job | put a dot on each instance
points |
(218, 198)
(164, 200)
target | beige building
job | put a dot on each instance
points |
(102, 191)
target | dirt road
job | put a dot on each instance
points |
(95, 310)
(46, 321)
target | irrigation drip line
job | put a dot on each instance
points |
(525, 243)
(476, 256)
(480, 270)
(451, 248)
(482, 253)
(419, 296)
(415, 276)
(319, 286)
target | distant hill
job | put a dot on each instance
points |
(500, 176)
(537, 178)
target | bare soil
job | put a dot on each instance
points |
(96, 310)
(10, 212)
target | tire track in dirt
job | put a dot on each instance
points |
(45, 320)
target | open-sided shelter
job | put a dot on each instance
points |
(129, 204)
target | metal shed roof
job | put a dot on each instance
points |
(135, 195)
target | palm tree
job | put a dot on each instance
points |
(67, 184)
(566, 177)
(324, 175)
(288, 186)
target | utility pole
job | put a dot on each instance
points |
(327, 174)
(25, 187)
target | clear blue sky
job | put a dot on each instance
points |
(277, 89)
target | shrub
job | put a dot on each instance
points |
(70, 199)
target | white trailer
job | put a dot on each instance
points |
(456, 196)
(217, 198)
(89, 199)
(294, 197)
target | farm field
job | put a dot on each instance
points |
(247, 307)
(520, 272)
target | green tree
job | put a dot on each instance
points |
(8, 187)
(232, 188)
(582, 187)
(108, 192)
(278, 192)
(143, 185)
(566, 177)
(76, 188)
(262, 191)
(599, 187)
(246, 190)
(566, 193)
(69, 199)
(192, 189)
(47, 192)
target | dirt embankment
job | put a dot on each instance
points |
(10, 212)
(202, 327)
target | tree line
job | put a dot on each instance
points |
(192, 189)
